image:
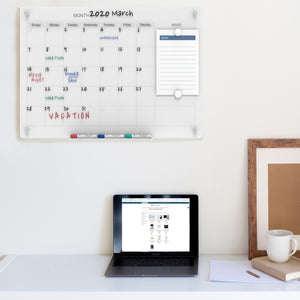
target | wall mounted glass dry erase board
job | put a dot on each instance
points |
(88, 72)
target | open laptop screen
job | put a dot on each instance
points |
(151, 224)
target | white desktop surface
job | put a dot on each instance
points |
(82, 277)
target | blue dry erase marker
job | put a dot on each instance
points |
(114, 136)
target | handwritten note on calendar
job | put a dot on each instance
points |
(115, 71)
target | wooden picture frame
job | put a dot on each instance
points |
(253, 145)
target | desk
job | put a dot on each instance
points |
(77, 277)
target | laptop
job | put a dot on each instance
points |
(154, 235)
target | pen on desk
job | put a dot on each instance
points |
(253, 274)
(83, 136)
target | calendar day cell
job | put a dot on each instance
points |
(127, 116)
(90, 36)
(54, 36)
(36, 116)
(127, 56)
(146, 77)
(109, 116)
(145, 57)
(54, 76)
(127, 76)
(35, 76)
(72, 56)
(91, 56)
(109, 97)
(109, 76)
(72, 36)
(35, 36)
(72, 115)
(55, 116)
(35, 95)
(90, 76)
(92, 117)
(127, 36)
(91, 96)
(146, 37)
(36, 56)
(108, 56)
(72, 76)
(109, 36)
(54, 56)
(145, 116)
(127, 97)
(145, 96)
(72, 95)
(54, 96)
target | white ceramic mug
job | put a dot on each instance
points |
(279, 245)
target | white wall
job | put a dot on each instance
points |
(56, 197)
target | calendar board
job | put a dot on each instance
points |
(91, 71)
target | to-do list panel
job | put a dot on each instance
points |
(90, 71)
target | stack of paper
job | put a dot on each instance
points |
(236, 271)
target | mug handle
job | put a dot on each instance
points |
(295, 246)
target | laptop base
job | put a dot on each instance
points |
(151, 271)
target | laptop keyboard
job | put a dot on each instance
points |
(153, 261)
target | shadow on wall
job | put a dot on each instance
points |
(106, 235)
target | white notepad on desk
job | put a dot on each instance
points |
(177, 61)
(236, 271)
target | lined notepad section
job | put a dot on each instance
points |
(177, 62)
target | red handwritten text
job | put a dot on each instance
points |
(69, 116)
(36, 77)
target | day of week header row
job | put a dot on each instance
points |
(88, 25)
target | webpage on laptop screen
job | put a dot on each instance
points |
(155, 224)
